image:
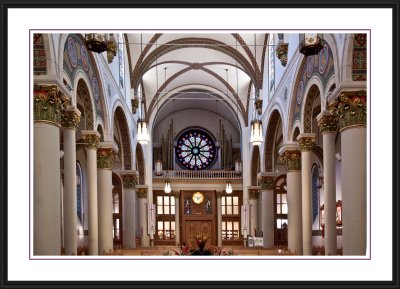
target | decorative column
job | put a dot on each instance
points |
(267, 180)
(351, 108)
(306, 143)
(177, 222)
(292, 158)
(327, 123)
(129, 181)
(254, 191)
(92, 139)
(105, 159)
(219, 218)
(48, 104)
(70, 122)
(141, 192)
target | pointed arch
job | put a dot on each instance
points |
(120, 117)
(270, 137)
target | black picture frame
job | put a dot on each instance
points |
(6, 159)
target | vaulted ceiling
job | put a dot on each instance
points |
(194, 66)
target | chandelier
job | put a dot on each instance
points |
(256, 137)
(100, 42)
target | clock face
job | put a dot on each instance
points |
(198, 198)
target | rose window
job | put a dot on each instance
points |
(195, 150)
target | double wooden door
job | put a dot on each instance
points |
(198, 217)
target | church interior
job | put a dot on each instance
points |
(199, 143)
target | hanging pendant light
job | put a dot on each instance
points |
(228, 188)
(256, 137)
(159, 170)
(310, 43)
(167, 188)
(142, 130)
(96, 42)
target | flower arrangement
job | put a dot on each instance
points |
(184, 250)
(201, 240)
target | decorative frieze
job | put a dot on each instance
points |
(327, 122)
(105, 158)
(141, 193)
(266, 182)
(49, 104)
(292, 160)
(71, 117)
(351, 109)
(91, 139)
(130, 180)
(306, 141)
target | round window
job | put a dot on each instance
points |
(195, 150)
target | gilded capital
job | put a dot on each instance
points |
(282, 53)
(91, 139)
(71, 118)
(129, 180)
(266, 182)
(219, 194)
(141, 193)
(105, 158)
(351, 109)
(253, 194)
(135, 105)
(306, 142)
(292, 160)
(327, 122)
(49, 103)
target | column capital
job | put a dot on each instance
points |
(291, 156)
(267, 180)
(351, 108)
(91, 138)
(219, 194)
(254, 191)
(49, 103)
(106, 155)
(141, 191)
(176, 193)
(327, 121)
(306, 141)
(71, 117)
(129, 178)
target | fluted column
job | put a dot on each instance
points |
(327, 123)
(351, 108)
(70, 122)
(177, 222)
(48, 104)
(254, 192)
(219, 218)
(306, 143)
(105, 158)
(92, 139)
(292, 159)
(129, 181)
(142, 192)
(267, 181)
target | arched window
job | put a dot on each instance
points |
(79, 199)
(314, 184)
(271, 62)
(121, 59)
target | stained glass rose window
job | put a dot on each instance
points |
(195, 150)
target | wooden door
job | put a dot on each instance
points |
(193, 228)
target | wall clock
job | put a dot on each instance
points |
(198, 197)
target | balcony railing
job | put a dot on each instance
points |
(187, 174)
